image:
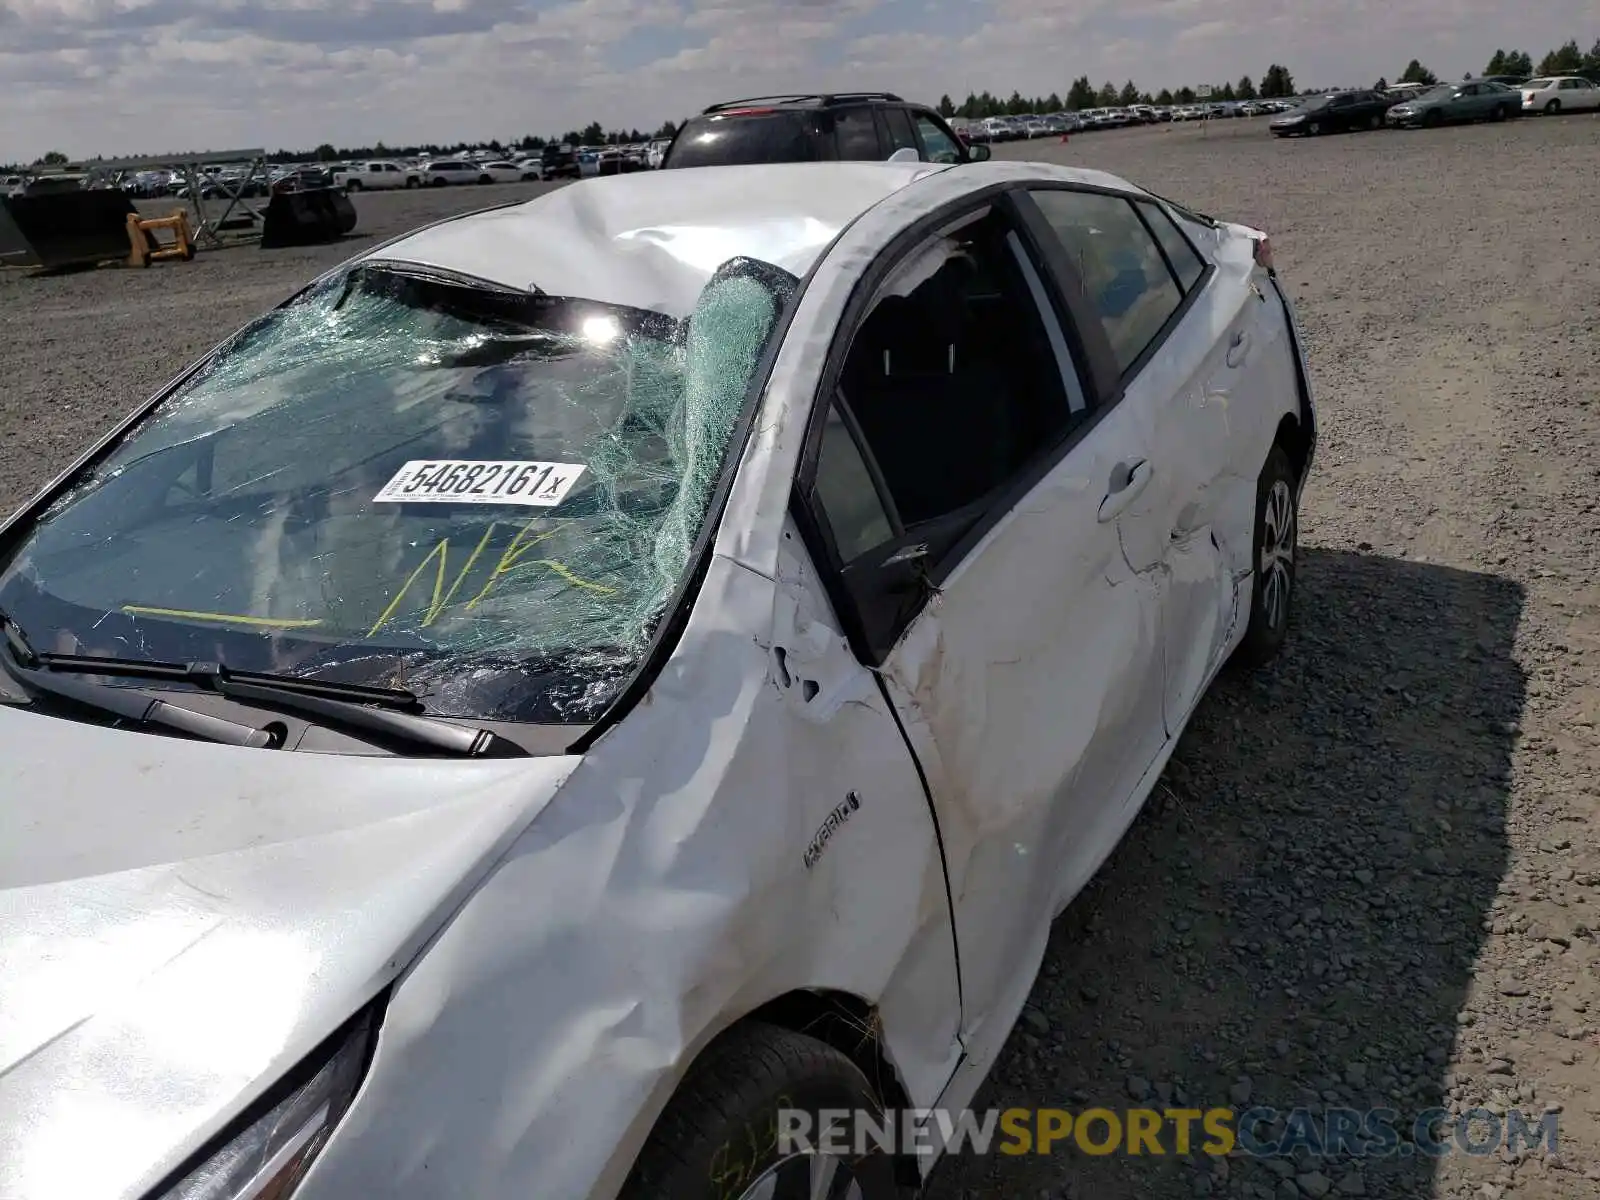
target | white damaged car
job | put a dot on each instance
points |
(584, 676)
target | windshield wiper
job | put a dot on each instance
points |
(120, 702)
(390, 712)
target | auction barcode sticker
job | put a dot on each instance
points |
(480, 481)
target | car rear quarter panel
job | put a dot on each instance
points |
(1268, 387)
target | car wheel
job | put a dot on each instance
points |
(1431, 119)
(353, 186)
(1314, 128)
(1275, 548)
(1552, 108)
(719, 1135)
(1499, 113)
(1373, 122)
(485, 179)
(413, 182)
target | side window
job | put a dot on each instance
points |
(955, 379)
(936, 143)
(847, 492)
(901, 135)
(1186, 263)
(1121, 267)
(856, 134)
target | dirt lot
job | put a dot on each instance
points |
(1370, 878)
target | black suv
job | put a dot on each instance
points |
(844, 127)
(558, 160)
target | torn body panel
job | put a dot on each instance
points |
(673, 885)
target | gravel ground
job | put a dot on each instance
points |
(1369, 878)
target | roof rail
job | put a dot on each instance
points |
(799, 97)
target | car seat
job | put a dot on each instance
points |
(935, 413)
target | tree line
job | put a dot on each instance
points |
(1276, 83)
(1566, 59)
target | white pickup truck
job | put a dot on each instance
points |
(376, 175)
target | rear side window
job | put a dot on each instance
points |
(856, 134)
(1120, 264)
(773, 137)
(1186, 263)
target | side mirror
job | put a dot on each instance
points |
(978, 153)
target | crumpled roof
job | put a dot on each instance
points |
(652, 239)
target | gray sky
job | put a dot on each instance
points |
(135, 76)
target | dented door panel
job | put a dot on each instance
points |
(1031, 690)
(1229, 370)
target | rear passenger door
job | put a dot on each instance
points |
(1186, 350)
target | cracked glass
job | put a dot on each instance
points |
(241, 521)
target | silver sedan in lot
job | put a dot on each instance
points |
(575, 681)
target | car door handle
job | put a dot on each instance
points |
(1239, 348)
(1126, 484)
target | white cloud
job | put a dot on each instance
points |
(125, 76)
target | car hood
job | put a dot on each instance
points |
(181, 922)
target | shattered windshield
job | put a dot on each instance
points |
(483, 495)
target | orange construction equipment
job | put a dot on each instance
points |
(144, 248)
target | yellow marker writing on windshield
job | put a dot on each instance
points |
(515, 553)
(511, 557)
(184, 614)
(440, 556)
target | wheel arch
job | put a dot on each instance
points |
(1297, 431)
(1296, 443)
(847, 1022)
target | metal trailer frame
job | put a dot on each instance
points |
(207, 230)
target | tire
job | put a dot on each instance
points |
(1499, 113)
(1552, 108)
(412, 182)
(353, 186)
(1314, 129)
(1431, 119)
(1274, 553)
(1374, 122)
(718, 1137)
(440, 182)
(483, 179)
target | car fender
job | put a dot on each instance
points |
(662, 894)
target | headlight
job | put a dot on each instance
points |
(266, 1154)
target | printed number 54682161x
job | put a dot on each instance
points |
(466, 481)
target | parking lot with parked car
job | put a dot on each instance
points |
(1365, 877)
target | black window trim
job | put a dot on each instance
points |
(1111, 394)
(804, 507)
